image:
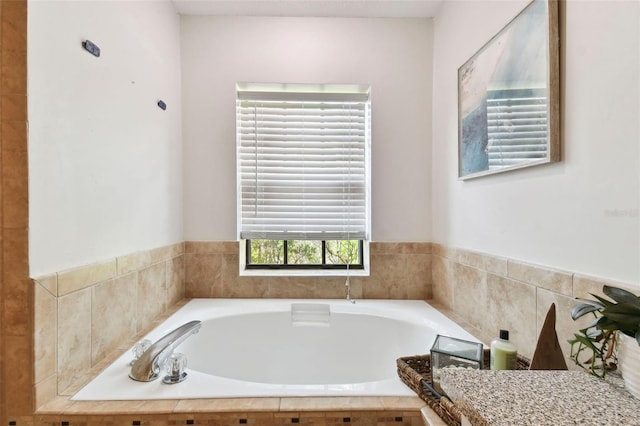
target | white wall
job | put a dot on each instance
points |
(105, 163)
(392, 55)
(582, 214)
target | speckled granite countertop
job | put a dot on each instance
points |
(539, 398)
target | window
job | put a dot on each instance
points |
(303, 177)
(304, 254)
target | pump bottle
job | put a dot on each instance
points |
(503, 353)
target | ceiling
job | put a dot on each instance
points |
(318, 8)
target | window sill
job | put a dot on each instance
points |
(303, 272)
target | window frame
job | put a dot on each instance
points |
(243, 271)
(310, 266)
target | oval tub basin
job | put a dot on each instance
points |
(264, 347)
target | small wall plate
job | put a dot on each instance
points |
(91, 48)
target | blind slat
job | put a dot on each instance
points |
(302, 165)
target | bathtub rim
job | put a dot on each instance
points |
(381, 307)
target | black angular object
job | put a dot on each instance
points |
(162, 105)
(91, 48)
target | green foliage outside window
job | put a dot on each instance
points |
(304, 252)
(267, 252)
(343, 252)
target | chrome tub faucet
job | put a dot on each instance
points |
(148, 366)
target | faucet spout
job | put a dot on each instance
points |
(348, 286)
(147, 367)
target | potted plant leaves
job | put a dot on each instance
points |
(616, 321)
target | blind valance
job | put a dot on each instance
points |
(303, 170)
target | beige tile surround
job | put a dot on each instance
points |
(88, 315)
(488, 293)
(105, 300)
(84, 314)
(374, 411)
(369, 411)
(399, 270)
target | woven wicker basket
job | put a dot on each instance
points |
(415, 372)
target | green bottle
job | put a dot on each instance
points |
(503, 353)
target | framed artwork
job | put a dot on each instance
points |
(509, 97)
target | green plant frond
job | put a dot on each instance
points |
(623, 308)
(599, 303)
(604, 302)
(581, 309)
(593, 324)
(606, 323)
(572, 342)
(586, 341)
(620, 295)
(593, 334)
(620, 318)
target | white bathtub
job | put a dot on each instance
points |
(257, 348)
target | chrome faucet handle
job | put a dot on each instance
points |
(175, 366)
(148, 366)
(139, 348)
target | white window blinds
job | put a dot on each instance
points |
(303, 165)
